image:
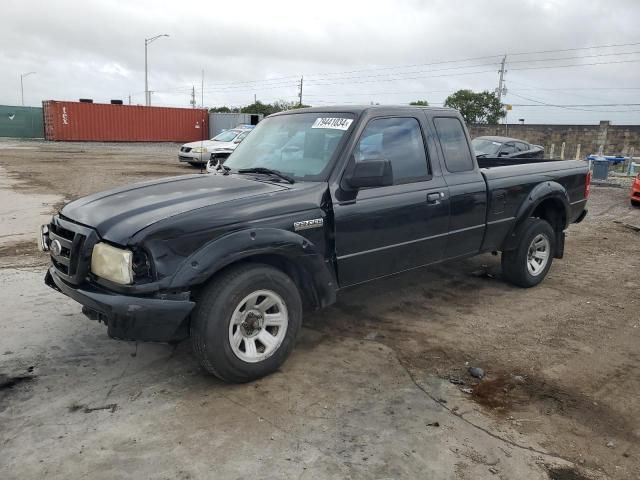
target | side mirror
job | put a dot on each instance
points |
(237, 141)
(503, 154)
(372, 173)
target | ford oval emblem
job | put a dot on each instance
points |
(56, 248)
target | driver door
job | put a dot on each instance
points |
(384, 230)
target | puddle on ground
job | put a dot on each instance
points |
(22, 213)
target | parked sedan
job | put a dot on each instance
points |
(506, 147)
(219, 147)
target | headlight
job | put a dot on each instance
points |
(112, 263)
(199, 150)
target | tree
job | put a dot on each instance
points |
(283, 105)
(481, 107)
(268, 108)
(223, 109)
(259, 107)
(420, 103)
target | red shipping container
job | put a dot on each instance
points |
(99, 122)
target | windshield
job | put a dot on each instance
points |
(482, 146)
(300, 145)
(227, 136)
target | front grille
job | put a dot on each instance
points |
(71, 261)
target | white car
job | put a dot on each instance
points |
(218, 148)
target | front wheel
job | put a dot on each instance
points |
(529, 263)
(246, 322)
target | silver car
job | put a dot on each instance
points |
(218, 148)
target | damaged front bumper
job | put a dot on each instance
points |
(148, 319)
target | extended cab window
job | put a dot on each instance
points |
(457, 155)
(398, 140)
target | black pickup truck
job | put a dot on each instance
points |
(313, 201)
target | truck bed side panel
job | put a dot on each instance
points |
(510, 186)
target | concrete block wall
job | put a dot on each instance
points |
(616, 139)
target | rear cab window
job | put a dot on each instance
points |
(456, 151)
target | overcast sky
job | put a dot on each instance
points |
(348, 51)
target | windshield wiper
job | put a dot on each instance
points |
(267, 171)
(224, 168)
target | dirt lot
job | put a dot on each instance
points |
(377, 387)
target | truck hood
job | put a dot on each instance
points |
(119, 214)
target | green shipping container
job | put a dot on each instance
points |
(21, 122)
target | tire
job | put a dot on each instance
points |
(195, 164)
(516, 266)
(239, 293)
(635, 203)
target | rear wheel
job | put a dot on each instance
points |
(245, 323)
(635, 203)
(528, 264)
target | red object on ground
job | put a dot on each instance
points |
(635, 191)
(99, 122)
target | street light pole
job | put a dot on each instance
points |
(146, 77)
(147, 41)
(22, 75)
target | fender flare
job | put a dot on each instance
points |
(200, 266)
(542, 192)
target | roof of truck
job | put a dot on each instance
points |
(358, 109)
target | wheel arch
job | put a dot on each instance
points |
(287, 251)
(548, 201)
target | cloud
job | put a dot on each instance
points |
(95, 49)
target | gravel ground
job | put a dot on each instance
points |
(562, 361)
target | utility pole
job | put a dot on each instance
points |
(300, 92)
(129, 99)
(255, 98)
(202, 91)
(193, 96)
(501, 90)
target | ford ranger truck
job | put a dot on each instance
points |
(313, 201)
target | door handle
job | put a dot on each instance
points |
(434, 198)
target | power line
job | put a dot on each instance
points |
(482, 65)
(574, 107)
(575, 65)
(288, 80)
(479, 58)
(611, 45)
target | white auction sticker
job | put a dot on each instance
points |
(335, 123)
